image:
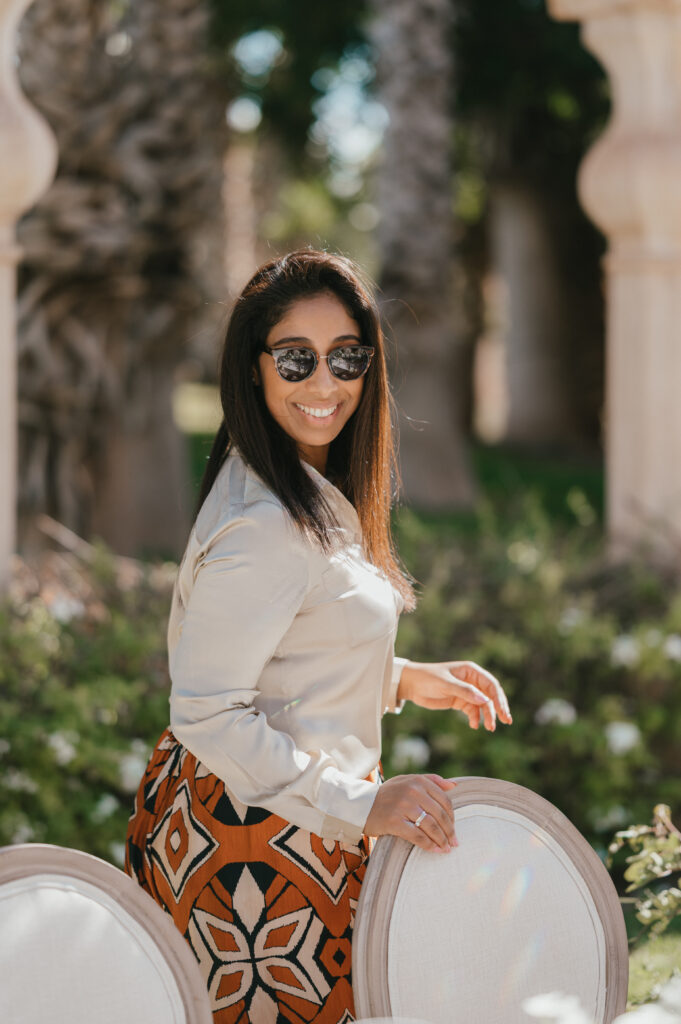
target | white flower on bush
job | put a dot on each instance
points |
(609, 820)
(672, 647)
(622, 737)
(5, 746)
(132, 764)
(570, 619)
(524, 555)
(670, 995)
(23, 833)
(62, 746)
(625, 650)
(63, 607)
(117, 853)
(650, 1013)
(556, 711)
(19, 782)
(557, 1008)
(410, 750)
(105, 807)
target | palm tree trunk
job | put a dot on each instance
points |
(414, 192)
(109, 294)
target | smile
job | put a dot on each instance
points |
(318, 414)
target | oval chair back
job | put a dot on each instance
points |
(80, 941)
(523, 906)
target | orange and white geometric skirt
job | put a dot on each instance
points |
(267, 908)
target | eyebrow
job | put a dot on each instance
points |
(307, 341)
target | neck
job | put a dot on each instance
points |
(316, 456)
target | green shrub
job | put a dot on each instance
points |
(655, 856)
(83, 697)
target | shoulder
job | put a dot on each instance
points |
(241, 503)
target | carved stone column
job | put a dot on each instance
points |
(630, 185)
(28, 158)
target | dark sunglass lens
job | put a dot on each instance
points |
(295, 363)
(349, 363)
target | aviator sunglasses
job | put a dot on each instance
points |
(347, 363)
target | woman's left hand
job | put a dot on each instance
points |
(461, 685)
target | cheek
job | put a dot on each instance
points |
(356, 394)
(273, 390)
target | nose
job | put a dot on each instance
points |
(322, 381)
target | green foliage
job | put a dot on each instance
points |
(651, 965)
(656, 855)
(83, 697)
(588, 652)
(312, 35)
(528, 80)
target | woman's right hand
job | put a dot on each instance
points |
(400, 801)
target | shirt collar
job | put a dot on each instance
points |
(344, 509)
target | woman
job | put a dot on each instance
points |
(254, 821)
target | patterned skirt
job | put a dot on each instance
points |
(267, 908)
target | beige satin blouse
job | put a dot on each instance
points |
(282, 657)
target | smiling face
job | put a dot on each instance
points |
(313, 411)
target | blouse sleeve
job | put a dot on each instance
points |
(249, 584)
(394, 705)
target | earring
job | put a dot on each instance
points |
(254, 377)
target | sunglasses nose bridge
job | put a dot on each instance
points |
(322, 373)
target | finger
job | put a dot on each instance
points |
(416, 835)
(467, 691)
(489, 715)
(433, 829)
(486, 683)
(438, 805)
(492, 687)
(481, 678)
(442, 783)
(474, 717)
(439, 822)
(425, 794)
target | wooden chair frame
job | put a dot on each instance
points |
(25, 860)
(387, 863)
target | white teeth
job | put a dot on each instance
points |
(319, 413)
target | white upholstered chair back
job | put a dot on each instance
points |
(81, 942)
(522, 906)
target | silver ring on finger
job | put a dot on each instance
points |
(420, 819)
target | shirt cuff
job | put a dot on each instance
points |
(347, 805)
(393, 704)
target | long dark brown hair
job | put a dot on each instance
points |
(362, 460)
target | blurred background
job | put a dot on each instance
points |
(438, 143)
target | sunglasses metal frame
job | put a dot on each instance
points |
(276, 354)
